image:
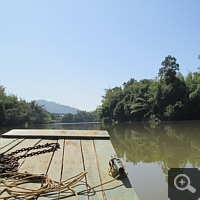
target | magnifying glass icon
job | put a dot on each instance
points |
(182, 182)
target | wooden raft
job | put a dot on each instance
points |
(79, 151)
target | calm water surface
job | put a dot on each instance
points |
(148, 150)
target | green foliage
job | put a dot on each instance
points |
(109, 102)
(169, 112)
(195, 96)
(119, 112)
(67, 118)
(81, 116)
(55, 116)
(14, 111)
(169, 97)
(169, 64)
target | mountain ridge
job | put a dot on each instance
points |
(53, 107)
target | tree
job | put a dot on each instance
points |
(109, 102)
(128, 83)
(169, 65)
(14, 111)
(37, 114)
(55, 116)
(173, 87)
(67, 118)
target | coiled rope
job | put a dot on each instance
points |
(112, 171)
(11, 182)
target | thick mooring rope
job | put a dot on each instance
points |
(11, 181)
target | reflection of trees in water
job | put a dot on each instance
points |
(172, 145)
(70, 126)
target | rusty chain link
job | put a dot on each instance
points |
(9, 163)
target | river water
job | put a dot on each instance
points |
(148, 150)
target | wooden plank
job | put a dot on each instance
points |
(56, 134)
(118, 189)
(22, 144)
(55, 169)
(73, 165)
(5, 142)
(92, 169)
(37, 164)
(10, 145)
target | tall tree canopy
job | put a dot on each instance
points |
(169, 97)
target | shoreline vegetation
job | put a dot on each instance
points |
(168, 97)
(18, 112)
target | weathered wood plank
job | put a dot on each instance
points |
(92, 169)
(56, 134)
(37, 164)
(5, 142)
(10, 145)
(55, 169)
(73, 165)
(118, 189)
(22, 144)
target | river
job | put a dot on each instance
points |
(148, 150)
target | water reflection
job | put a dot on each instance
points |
(171, 145)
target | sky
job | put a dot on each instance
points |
(69, 51)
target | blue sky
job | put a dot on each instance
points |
(69, 51)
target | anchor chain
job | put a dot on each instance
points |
(9, 163)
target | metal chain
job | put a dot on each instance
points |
(9, 163)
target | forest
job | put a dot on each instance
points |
(14, 111)
(80, 116)
(17, 112)
(169, 96)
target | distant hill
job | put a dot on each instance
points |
(53, 107)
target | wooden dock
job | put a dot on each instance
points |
(79, 151)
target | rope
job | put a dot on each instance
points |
(13, 180)
(112, 171)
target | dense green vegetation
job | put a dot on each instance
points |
(14, 111)
(169, 96)
(81, 116)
